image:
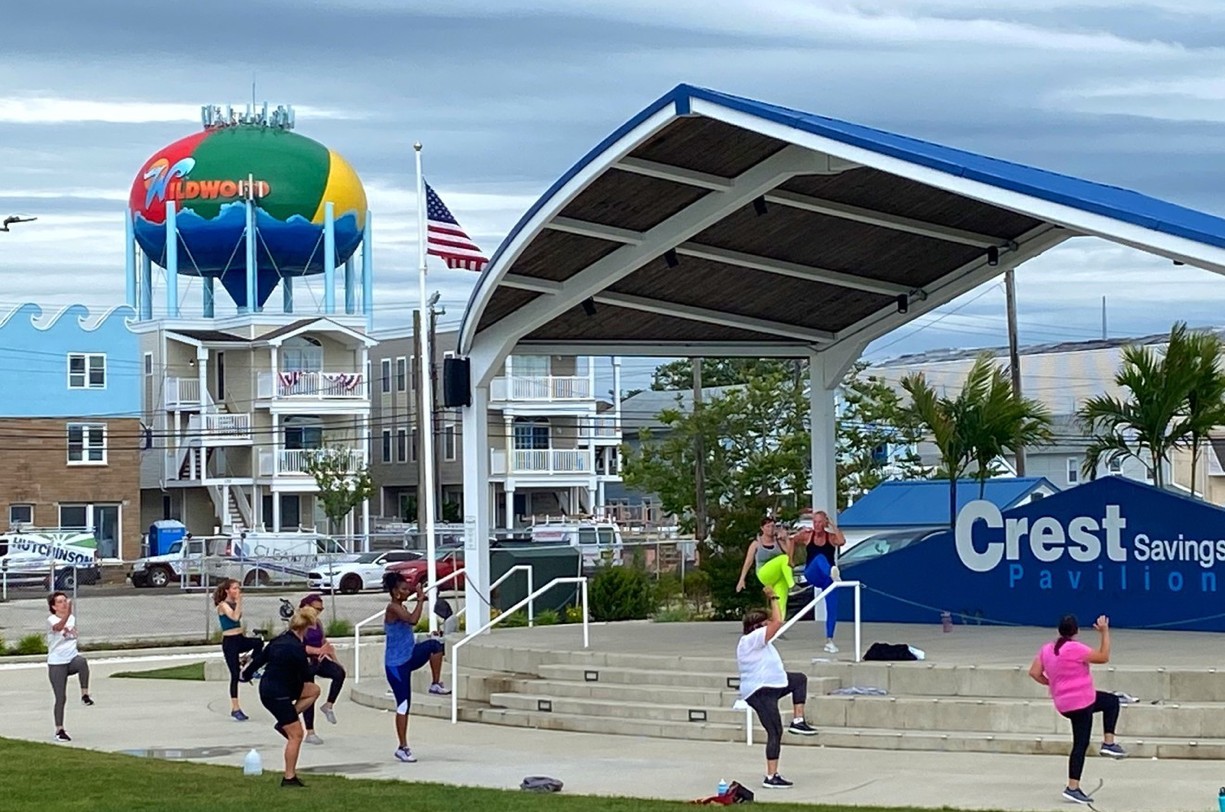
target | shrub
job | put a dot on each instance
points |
(548, 617)
(31, 644)
(338, 627)
(621, 593)
(516, 620)
(667, 589)
(573, 614)
(676, 614)
(722, 558)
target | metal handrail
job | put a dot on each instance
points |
(820, 596)
(581, 580)
(357, 644)
(531, 607)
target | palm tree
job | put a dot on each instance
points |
(1162, 392)
(984, 421)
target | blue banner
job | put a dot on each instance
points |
(1147, 558)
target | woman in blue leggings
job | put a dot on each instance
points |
(821, 542)
(404, 654)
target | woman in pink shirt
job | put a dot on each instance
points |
(1063, 666)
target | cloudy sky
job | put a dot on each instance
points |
(506, 95)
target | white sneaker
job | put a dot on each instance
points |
(312, 738)
(438, 689)
(405, 754)
(834, 573)
(831, 648)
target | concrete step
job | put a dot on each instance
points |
(619, 709)
(638, 692)
(727, 680)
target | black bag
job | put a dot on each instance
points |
(740, 793)
(889, 651)
(540, 783)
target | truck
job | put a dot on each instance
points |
(597, 540)
(254, 559)
(27, 556)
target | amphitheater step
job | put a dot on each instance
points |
(728, 680)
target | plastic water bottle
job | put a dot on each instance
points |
(252, 764)
(722, 790)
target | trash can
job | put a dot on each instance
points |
(547, 563)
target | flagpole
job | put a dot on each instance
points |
(425, 501)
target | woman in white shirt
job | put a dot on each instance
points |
(764, 681)
(63, 659)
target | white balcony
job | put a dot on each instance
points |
(182, 393)
(292, 461)
(541, 461)
(541, 388)
(297, 385)
(220, 428)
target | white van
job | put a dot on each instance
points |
(27, 555)
(599, 542)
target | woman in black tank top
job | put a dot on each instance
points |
(821, 542)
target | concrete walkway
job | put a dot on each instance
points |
(190, 720)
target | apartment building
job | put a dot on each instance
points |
(71, 434)
(554, 445)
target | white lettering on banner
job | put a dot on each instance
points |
(1048, 539)
(60, 552)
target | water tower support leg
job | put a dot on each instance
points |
(329, 258)
(172, 262)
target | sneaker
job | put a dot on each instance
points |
(61, 736)
(292, 782)
(239, 716)
(405, 755)
(802, 729)
(834, 573)
(776, 781)
(328, 713)
(1076, 796)
(86, 700)
(312, 738)
(439, 689)
(1113, 750)
(831, 648)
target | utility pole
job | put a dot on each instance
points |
(420, 424)
(699, 456)
(1014, 353)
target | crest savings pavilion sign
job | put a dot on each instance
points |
(1146, 557)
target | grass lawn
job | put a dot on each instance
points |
(37, 777)
(190, 671)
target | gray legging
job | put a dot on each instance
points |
(59, 675)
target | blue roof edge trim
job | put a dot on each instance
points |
(1113, 202)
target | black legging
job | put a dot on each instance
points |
(1082, 729)
(232, 647)
(765, 702)
(328, 669)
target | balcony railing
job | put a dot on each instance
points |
(311, 385)
(182, 392)
(222, 428)
(542, 388)
(542, 461)
(292, 461)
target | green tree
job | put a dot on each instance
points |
(340, 489)
(877, 436)
(1172, 398)
(678, 374)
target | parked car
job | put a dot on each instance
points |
(363, 571)
(882, 544)
(446, 562)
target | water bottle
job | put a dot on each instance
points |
(722, 790)
(946, 622)
(252, 764)
(1221, 799)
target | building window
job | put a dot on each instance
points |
(448, 444)
(303, 437)
(302, 354)
(401, 374)
(531, 433)
(531, 366)
(21, 515)
(86, 370)
(401, 445)
(412, 368)
(148, 363)
(86, 444)
(1073, 470)
(1115, 466)
(412, 446)
(385, 367)
(100, 519)
(386, 445)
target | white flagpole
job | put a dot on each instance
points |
(425, 501)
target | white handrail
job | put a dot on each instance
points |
(357, 644)
(820, 596)
(454, 574)
(531, 607)
(581, 580)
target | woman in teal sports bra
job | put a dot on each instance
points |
(227, 597)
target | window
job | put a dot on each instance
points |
(86, 444)
(531, 433)
(21, 515)
(386, 445)
(86, 370)
(448, 444)
(530, 366)
(401, 445)
(303, 437)
(385, 367)
(1115, 466)
(401, 374)
(414, 377)
(302, 354)
(1073, 470)
(148, 363)
(101, 519)
(412, 446)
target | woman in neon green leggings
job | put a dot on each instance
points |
(771, 551)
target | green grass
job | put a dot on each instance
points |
(190, 671)
(34, 775)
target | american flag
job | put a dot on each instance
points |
(444, 237)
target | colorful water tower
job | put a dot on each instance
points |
(250, 203)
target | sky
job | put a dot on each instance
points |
(507, 95)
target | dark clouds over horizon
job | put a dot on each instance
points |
(507, 96)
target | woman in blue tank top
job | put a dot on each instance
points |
(403, 654)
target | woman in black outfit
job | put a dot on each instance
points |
(286, 688)
(227, 597)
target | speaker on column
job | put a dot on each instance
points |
(456, 387)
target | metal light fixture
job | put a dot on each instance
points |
(903, 303)
(993, 256)
(589, 306)
(759, 206)
(671, 259)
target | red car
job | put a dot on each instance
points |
(446, 562)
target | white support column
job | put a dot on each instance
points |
(226, 524)
(476, 507)
(365, 525)
(272, 355)
(274, 443)
(257, 509)
(202, 379)
(276, 511)
(509, 496)
(821, 415)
